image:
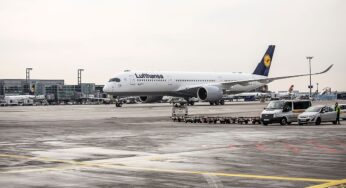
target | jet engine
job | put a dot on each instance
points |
(209, 93)
(150, 99)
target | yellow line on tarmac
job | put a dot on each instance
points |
(58, 168)
(329, 184)
(250, 176)
(120, 166)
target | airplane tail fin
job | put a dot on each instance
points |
(264, 66)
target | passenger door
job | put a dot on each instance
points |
(326, 114)
(300, 107)
(132, 80)
(331, 114)
(169, 80)
(287, 109)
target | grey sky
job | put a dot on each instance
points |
(105, 37)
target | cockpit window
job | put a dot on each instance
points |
(114, 80)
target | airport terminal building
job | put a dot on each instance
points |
(53, 90)
(23, 86)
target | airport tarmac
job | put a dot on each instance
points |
(139, 146)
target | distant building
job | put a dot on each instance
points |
(53, 90)
(23, 87)
(341, 96)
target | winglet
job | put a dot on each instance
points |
(326, 69)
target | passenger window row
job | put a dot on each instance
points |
(195, 80)
(151, 80)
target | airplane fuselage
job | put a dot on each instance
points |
(142, 83)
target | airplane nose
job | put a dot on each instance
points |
(106, 88)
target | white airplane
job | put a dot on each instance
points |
(206, 86)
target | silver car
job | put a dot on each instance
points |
(343, 111)
(317, 115)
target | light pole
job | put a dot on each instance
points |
(27, 74)
(26, 88)
(80, 83)
(309, 59)
(80, 76)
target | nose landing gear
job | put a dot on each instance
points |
(119, 102)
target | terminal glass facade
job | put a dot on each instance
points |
(24, 87)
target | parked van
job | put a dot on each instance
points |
(284, 111)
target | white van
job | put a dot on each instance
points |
(284, 111)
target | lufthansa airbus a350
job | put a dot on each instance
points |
(206, 86)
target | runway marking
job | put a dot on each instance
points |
(213, 181)
(261, 147)
(121, 166)
(329, 184)
(323, 147)
(292, 148)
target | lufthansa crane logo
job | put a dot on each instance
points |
(267, 61)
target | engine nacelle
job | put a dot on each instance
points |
(150, 99)
(209, 93)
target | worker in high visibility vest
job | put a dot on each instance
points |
(337, 109)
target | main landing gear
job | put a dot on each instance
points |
(189, 101)
(118, 104)
(220, 102)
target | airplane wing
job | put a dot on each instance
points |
(247, 82)
(268, 80)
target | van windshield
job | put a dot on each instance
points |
(275, 105)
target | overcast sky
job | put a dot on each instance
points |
(104, 37)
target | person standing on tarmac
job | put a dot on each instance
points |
(337, 109)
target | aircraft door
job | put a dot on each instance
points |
(132, 80)
(169, 80)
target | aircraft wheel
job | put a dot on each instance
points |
(222, 102)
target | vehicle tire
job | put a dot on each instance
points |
(191, 103)
(265, 124)
(318, 121)
(283, 121)
(222, 102)
(217, 103)
(334, 122)
(211, 103)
